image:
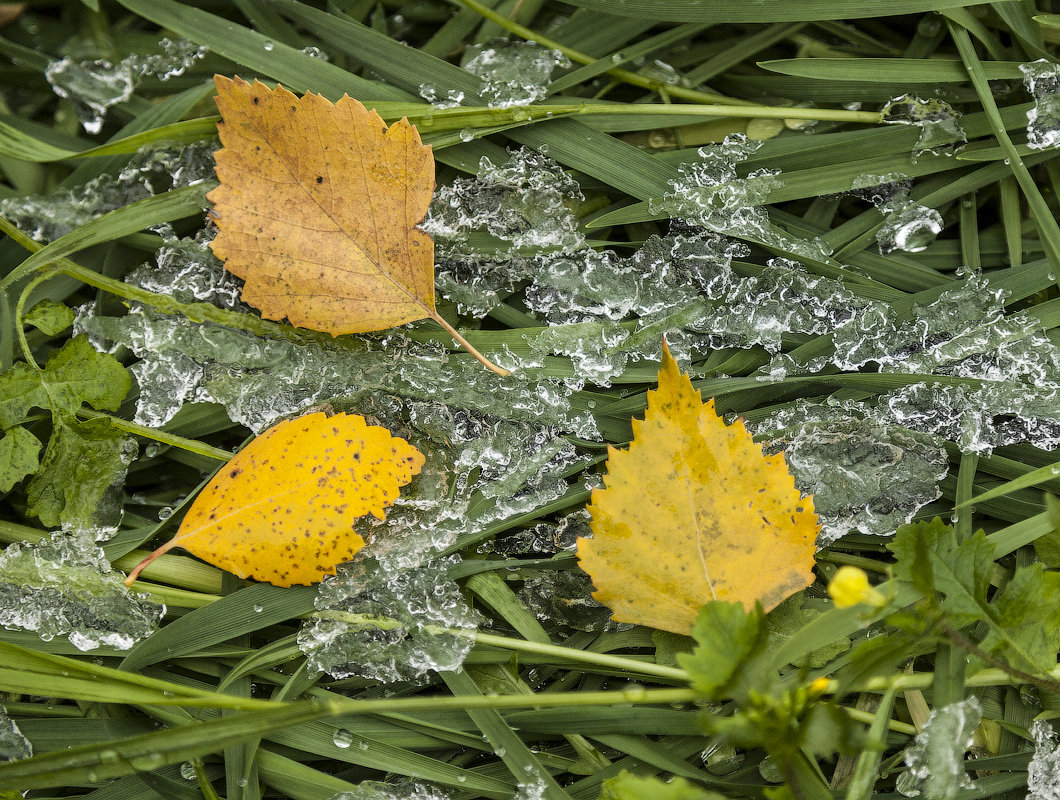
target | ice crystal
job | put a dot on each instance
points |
(1042, 78)
(1043, 773)
(940, 129)
(545, 538)
(402, 790)
(452, 98)
(514, 74)
(532, 790)
(95, 86)
(662, 72)
(64, 586)
(565, 598)
(710, 193)
(907, 225)
(864, 475)
(91, 86)
(150, 171)
(174, 60)
(239, 370)
(525, 201)
(997, 373)
(13, 744)
(388, 625)
(935, 760)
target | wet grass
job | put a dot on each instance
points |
(220, 702)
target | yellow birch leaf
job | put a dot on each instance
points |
(284, 509)
(317, 206)
(694, 512)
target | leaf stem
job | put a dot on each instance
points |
(468, 346)
(20, 326)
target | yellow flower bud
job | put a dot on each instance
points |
(850, 586)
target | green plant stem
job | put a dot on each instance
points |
(868, 765)
(191, 445)
(20, 308)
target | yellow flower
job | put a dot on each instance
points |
(819, 686)
(850, 586)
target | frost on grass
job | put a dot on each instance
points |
(151, 171)
(935, 761)
(709, 193)
(479, 470)
(259, 381)
(907, 225)
(64, 586)
(13, 745)
(681, 285)
(387, 625)
(1042, 79)
(513, 74)
(400, 790)
(1043, 773)
(525, 201)
(94, 86)
(998, 372)
(864, 475)
(941, 133)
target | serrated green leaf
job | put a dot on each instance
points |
(1027, 611)
(726, 635)
(1047, 547)
(77, 373)
(79, 483)
(626, 786)
(930, 558)
(49, 317)
(19, 457)
(21, 389)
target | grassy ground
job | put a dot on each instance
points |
(814, 701)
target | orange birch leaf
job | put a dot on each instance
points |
(283, 510)
(317, 210)
(694, 512)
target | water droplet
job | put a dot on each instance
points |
(187, 771)
(268, 45)
(258, 608)
(165, 512)
(342, 738)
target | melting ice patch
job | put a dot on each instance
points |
(514, 74)
(864, 474)
(939, 123)
(13, 744)
(1043, 773)
(1042, 78)
(935, 760)
(709, 193)
(402, 790)
(526, 201)
(95, 86)
(388, 626)
(150, 171)
(64, 586)
(907, 225)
